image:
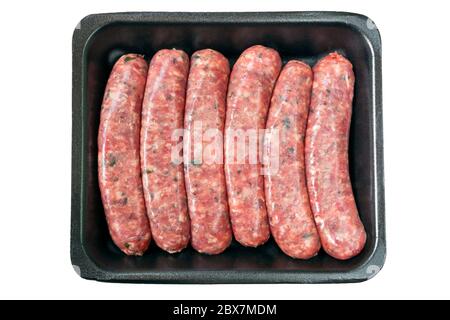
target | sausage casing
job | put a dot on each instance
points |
(249, 92)
(332, 202)
(291, 221)
(162, 177)
(204, 173)
(118, 155)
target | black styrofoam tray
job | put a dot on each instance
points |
(101, 38)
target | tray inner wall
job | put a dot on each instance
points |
(308, 42)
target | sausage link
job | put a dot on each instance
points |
(332, 202)
(249, 92)
(291, 220)
(204, 173)
(118, 155)
(162, 114)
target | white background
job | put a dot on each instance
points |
(35, 153)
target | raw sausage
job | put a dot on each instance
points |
(162, 177)
(332, 202)
(291, 221)
(249, 92)
(118, 155)
(204, 174)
